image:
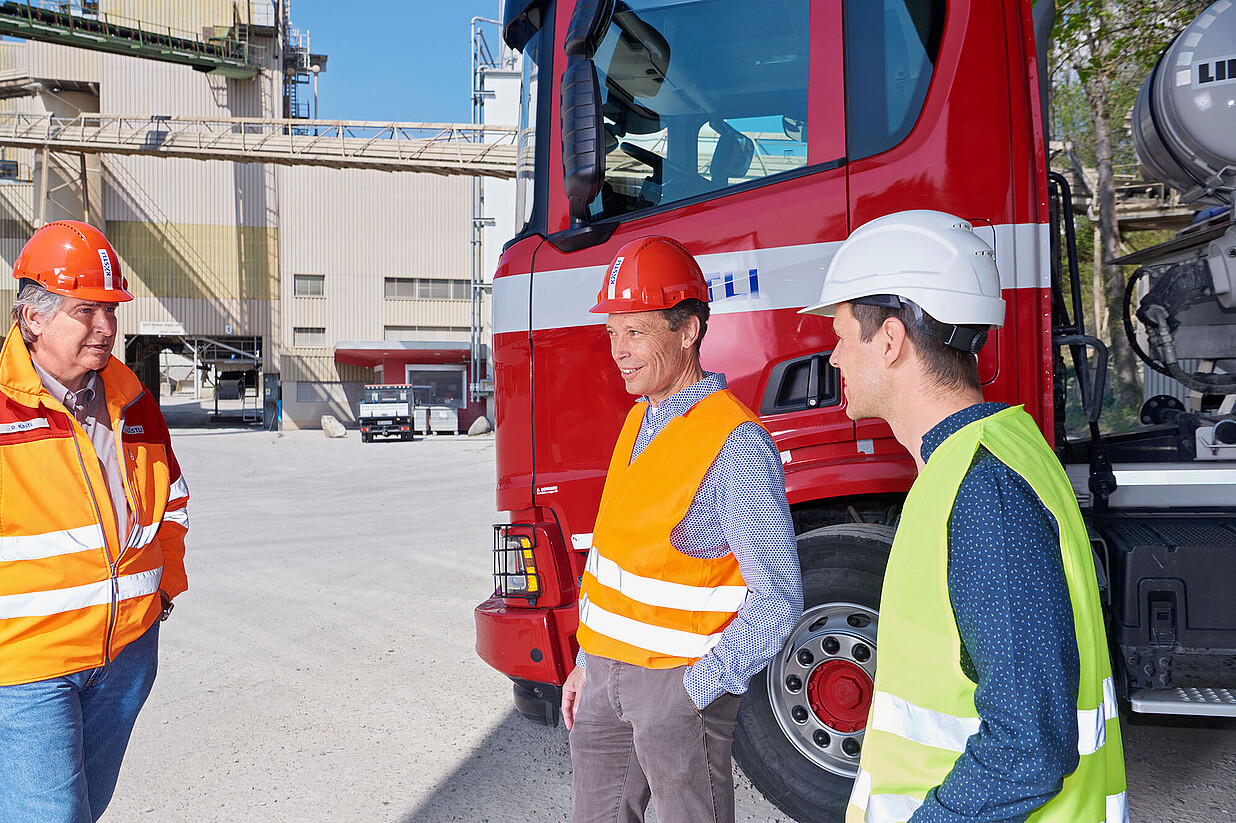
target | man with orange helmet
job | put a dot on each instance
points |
(92, 524)
(692, 583)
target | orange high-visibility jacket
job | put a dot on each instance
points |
(642, 601)
(71, 597)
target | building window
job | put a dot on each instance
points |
(309, 337)
(423, 288)
(400, 334)
(309, 285)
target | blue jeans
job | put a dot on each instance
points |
(62, 740)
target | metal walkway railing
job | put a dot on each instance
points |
(421, 147)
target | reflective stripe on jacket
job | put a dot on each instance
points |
(643, 601)
(71, 597)
(923, 710)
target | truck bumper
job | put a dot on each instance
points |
(525, 643)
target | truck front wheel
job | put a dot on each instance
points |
(800, 726)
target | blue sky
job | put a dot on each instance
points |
(406, 60)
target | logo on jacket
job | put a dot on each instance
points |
(24, 425)
(133, 430)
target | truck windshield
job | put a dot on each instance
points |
(699, 96)
(525, 161)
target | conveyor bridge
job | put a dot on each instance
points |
(434, 148)
(83, 26)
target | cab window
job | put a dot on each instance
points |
(890, 52)
(698, 97)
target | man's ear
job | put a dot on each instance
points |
(34, 321)
(690, 332)
(892, 337)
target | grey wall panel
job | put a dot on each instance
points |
(384, 224)
(50, 61)
(357, 228)
(308, 311)
(14, 56)
(199, 317)
(138, 87)
(426, 312)
(181, 191)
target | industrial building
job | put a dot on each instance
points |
(278, 254)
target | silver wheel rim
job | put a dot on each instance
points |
(825, 635)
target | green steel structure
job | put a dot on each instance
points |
(83, 27)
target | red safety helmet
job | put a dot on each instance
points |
(74, 259)
(650, 274)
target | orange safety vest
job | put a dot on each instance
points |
(642, 601)
(71, 597)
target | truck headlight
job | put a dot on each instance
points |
(515, 573)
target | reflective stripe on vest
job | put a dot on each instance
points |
(641, 600)
(923, 710)
(897, 808)
(42, 604)
(51, 544)
(671, 642)
(653, 592)
(939, 730)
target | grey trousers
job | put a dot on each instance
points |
(637, 734)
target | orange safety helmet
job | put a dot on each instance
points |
(650, 274)
(74, 259)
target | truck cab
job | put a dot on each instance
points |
(760, 135)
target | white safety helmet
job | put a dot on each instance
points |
(930, 258)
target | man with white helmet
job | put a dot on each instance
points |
(993, 695)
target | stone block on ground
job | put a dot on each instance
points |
(479, 426)
(331, 426)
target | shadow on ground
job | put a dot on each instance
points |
(520, 772)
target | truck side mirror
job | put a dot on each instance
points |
(520, 20)
(588, 24)
(583, 137)
(733, 154)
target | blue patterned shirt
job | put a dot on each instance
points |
(740, 508)
(1015, 619)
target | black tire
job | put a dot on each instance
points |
(366, 437)
(843, 569)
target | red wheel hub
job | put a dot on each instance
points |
(840, 694)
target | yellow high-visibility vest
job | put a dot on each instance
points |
(923, 709)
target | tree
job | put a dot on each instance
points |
(1108, 47)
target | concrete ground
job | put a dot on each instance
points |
(321, 667)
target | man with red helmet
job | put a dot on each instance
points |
(692, 583)
(92, 524)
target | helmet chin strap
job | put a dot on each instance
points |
(966, 338)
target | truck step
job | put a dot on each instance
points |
(1204, 702)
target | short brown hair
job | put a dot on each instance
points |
(948, 367)
(690, 307)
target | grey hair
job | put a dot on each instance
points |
(39, 300)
